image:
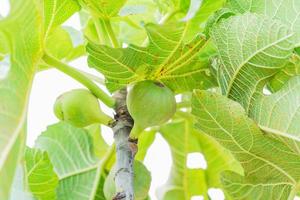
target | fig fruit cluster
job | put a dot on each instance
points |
(150, 104)
(80, 108)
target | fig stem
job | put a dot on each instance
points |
(109, 32)
(105, 32)
(70, 71)
(100, 32)
(136, 131)
(105, 119)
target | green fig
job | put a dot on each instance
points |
(150, 104)
(80, 108)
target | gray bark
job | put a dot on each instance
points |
(126, 149)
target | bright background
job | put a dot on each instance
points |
(51, 83)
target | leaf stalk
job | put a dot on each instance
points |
(110, 33)
(105, 98)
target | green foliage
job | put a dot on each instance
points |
(22, 33)
(270, 165)
(40, 175)
(141, 183)
(183, 182)
(103, 8)
(61, 45)
(281, 106)
(70, 150)
(55, 12)
(290, 70)
(132, 18)
(235, 64)
(99, 145)
(286, 12)
(166, 59)
(250, 62)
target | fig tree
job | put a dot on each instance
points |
(80, 108)
(150, 103)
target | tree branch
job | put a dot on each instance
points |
(126, 149)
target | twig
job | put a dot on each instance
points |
(126, 148)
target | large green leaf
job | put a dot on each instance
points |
(223, 13)
(60, 44)
(42, 180)
(22, 33)
(64, 43)
(55, 12)
(130, 28)
(183, 182)
(292, 68)
(136, 13)
(103, 8)
(251, 48)
(100, 147)
(71, 152)
(207, 8)
(166, 59)
(271, 167)
(287, 11)
(243, 75)
(22, 30)
(279, 113)
(58, 41)
(194, 11)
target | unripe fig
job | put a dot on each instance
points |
(80, 108)
(150, 104)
